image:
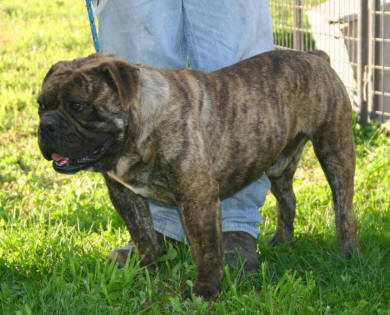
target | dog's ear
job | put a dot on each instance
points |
(59, 67)
(122, 78)
(66, 67)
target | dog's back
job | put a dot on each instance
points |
(262, 105)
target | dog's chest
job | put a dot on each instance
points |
(143, 181)
(137, 188)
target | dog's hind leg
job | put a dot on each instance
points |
(281, 176)
(334, 149)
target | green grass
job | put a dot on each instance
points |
(56, 231)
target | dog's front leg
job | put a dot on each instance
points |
(202, 222)
(134, 210)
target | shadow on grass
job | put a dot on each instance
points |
(308, 269)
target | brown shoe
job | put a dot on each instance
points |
(165, 240)
(240, 248)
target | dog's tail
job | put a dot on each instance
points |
(320, 53)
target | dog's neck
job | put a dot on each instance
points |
(153, 99)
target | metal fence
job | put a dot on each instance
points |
(355, 34)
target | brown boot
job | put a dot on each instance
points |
(164, 240)
(240, 248)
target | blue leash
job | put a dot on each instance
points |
(93, 26)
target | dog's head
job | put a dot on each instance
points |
(85, 110)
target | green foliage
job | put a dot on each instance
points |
(55, 230)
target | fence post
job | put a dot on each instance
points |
(363, 45)
(374, 57)
(298, 25)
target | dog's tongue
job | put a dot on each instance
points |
(60, 160)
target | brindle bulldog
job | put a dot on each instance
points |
(189, 139)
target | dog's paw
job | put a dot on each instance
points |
(349, 248)
(280, 238)
(119, 256)
(206, 290)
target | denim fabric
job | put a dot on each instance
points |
(210, 34)
(240, 212)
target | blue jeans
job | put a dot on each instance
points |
(207, 34)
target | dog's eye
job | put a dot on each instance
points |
(77, 107)
(41, 106)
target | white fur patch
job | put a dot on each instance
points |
(122, 166)
(119, 123)
(121, 169)
(143, 191)
(154, 92)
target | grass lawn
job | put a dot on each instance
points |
(56, 230)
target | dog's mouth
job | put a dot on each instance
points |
(69, 165)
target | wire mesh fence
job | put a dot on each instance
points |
(356, 36)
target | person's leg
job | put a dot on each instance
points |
(150, 32)
(143, 31)
(222, 32)
(218, 34)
